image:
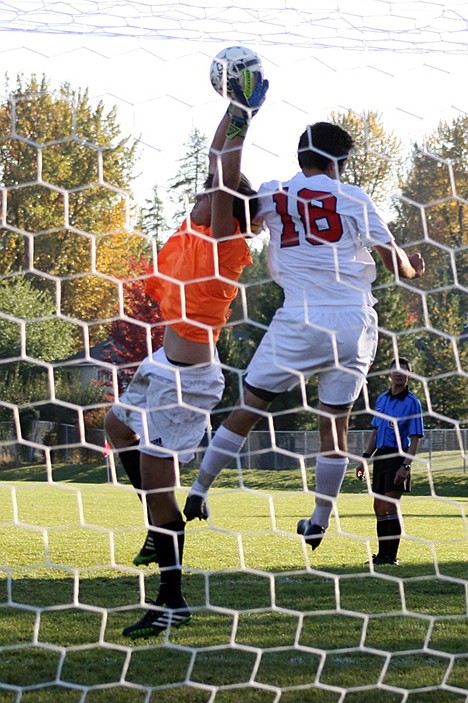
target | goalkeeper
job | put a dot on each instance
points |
(320, 231)
(161, 418)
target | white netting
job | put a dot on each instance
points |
(272, 621)
(380, 25)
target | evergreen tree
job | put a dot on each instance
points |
(191, 175)
(152, 221)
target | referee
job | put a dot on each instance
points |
(396, 434)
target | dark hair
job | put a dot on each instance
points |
(240, 205)
(402, 361)
(323, 143)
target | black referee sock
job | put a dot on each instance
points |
(382, 534)
(394, 533)
(169, 547)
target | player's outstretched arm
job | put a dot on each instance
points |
(228, 160)
(396, 260)
(217, 143)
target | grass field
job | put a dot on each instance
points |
(273, 621)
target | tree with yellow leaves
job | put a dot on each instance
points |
(66, 172)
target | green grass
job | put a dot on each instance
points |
(272, 620)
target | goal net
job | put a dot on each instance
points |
(105, 115)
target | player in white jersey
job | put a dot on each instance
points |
(320, 231)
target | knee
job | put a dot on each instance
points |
(108, 422)
(118, 432)
(334, 422)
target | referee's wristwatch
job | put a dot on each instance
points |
(406, 466)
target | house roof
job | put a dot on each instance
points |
(103, 351)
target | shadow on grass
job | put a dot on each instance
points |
(240, 591)
(72, 473)
(236, 616)
(446, 483)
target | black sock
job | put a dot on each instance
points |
(130, 459)
(169, 548)
(382, 534)
(394, 532)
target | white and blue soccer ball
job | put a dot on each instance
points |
(230, 63)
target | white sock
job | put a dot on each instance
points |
(224, 446)
(329, 475)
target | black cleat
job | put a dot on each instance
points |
(196, 507)
(313, 534)
(147, 553)
(379, 560)
(158, 619)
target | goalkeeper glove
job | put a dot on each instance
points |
(247, 103)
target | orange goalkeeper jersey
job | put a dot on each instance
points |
(193, 286)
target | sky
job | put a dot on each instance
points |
(407, 60)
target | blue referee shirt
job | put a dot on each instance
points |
(407, 412)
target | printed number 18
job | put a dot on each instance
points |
(321, 223)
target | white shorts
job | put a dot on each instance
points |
(169, 406)
(338, 345)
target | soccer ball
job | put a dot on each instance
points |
(230, 63)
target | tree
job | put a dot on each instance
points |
(434, 204)
(152, 221)
(191, 175)
(444, 362)
(66, 169)
(28, 312)
(30, 329)
(132, 342)
(432, 214)
(375, 161)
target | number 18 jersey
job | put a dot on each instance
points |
(320, 230)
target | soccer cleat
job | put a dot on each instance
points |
(379, 560)
(147, 553)
(195, 506)
(372, 559)
(313, 534)
(158, 619)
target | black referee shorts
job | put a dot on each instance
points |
(384, 471)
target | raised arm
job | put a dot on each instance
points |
(226, 182)
(227, 158)
(218, 143)
(396, 260)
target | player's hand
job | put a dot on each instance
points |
(401, 476)
(248, 101)
(361, 472)
(418, 264)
